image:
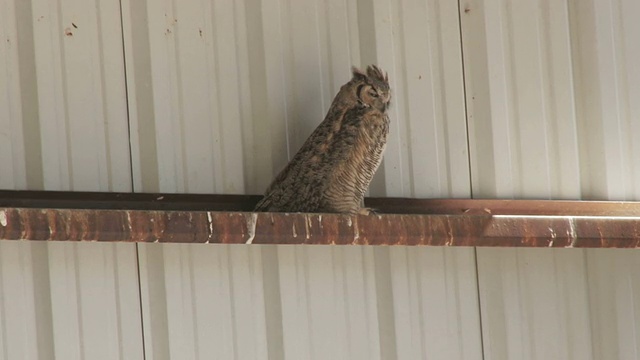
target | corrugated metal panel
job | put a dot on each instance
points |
(204, 302)
(367, 303)
(69, 301)
(419, 42)
(549, 92)
(63, 125)
(300, 302)
(614, 299)
(63, 112)
(535, 304)
(606, 49)
(435, 302)
(25, 308)
(95, 303)
(522, 123)
(559, 304)
(549, 89)
(222, 94)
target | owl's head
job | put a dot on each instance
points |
(372, 87)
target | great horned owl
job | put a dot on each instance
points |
(334, 167)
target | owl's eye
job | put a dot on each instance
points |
(373, 94)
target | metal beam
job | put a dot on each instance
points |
(72, 216)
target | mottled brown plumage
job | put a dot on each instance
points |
(334, 167)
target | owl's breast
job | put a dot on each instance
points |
(355, 170)
(371, 145)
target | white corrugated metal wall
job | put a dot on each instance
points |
(495, 98)
(551, 89)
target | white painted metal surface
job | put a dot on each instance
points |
(606, 47)
(366, 303)
(63, 126)
(69, 301)
(203, 302)
(559, 304)
(299, 302)
(614, 299)
(535, 304)
(521, 104)
(549, 89)
(549, 93)
(63, 109)
(222, 94)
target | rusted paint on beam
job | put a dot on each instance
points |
(278, 228)
(75, 216)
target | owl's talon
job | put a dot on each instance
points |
(367, 211)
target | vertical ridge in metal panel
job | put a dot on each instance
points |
(557, 72)
(67, 127)
(11, 139)
(603, 47)
(22, 316)
(523, 48)
(21, 155)
(328, 310)
(434, 298)
(211, 298)
(529, 310)
(427, 152)
(93, 318)
(81, 96)
(613, 293)
(54, 60)
(74, 301)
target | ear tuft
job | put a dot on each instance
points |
(373, 71)
(357, 73)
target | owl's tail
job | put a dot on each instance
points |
(264, 204)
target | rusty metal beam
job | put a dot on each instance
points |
(219, 219)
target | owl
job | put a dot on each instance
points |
(335, 165)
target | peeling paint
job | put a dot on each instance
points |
(251, 220)
(307, 225)
(391, 229)
(572, 232)
(449, 234)
(129, 222)
(210, 220)
(356, 233)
